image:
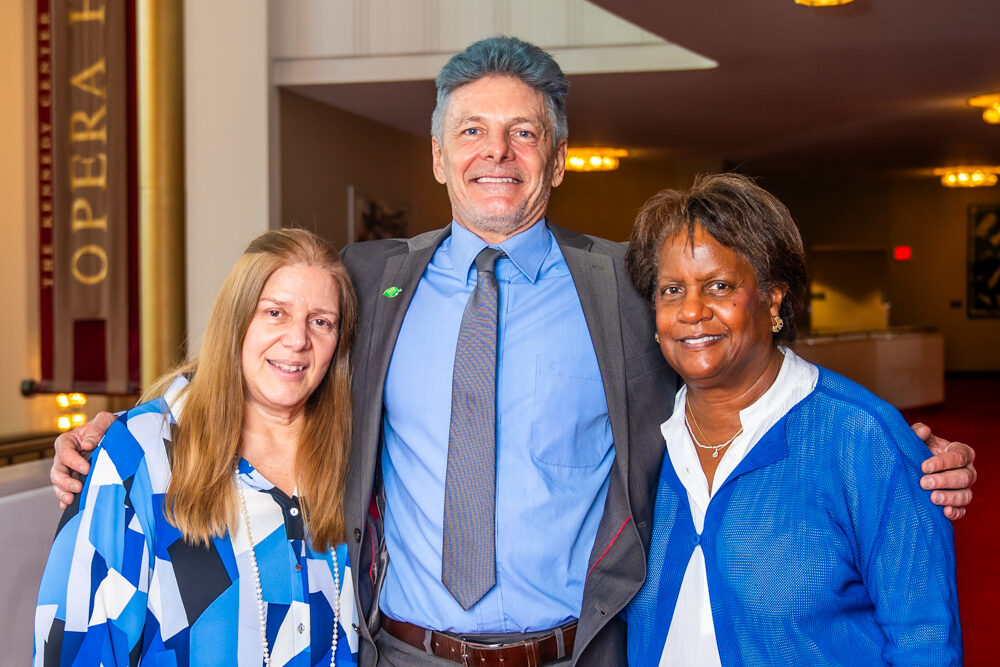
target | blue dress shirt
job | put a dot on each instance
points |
(554, 442)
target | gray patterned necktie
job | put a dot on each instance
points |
(468, 554)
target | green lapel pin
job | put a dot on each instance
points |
(392, 292)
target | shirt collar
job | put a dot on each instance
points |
(796, 378)
(526, 249)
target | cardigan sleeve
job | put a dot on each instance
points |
(905, 544)
(92, 599)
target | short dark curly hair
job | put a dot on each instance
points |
(740, 215)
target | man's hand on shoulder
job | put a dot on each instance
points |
(949, 473)
(69, 459)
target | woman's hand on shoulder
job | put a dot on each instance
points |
(949, 473)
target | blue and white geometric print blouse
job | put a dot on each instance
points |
(122, 588)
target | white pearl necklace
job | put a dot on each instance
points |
(261, 609)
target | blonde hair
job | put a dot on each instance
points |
(201, 498)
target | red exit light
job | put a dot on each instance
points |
(902, 253)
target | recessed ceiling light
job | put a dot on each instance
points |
(822, 3)
(594, 159)
(968, 177)
(990, 104)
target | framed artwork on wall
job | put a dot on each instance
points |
(983, 299)
(370, 217)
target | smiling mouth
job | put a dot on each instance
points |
(288, 368)
(496, 179)
(694, 340)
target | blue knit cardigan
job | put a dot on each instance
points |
(820, 548)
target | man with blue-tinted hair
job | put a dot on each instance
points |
(575, 377)
(508, 395)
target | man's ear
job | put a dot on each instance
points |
(559, 167)
(438, 162)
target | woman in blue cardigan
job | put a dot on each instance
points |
(790, 526)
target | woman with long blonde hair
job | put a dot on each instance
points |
(210, 525)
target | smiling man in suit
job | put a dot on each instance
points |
(576, 376)
(508, 395)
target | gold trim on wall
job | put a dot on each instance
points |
(159, 30)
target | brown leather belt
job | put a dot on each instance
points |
(531, 652)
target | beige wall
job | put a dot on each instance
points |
(933, 220)
(227, 116)
(19, 269)
(912, 211)
(325, 150)
(605, 203)
(848, 300)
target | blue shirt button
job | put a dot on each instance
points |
(695, 539)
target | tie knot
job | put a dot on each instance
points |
(487, 259)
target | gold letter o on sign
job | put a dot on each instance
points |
(96, 251)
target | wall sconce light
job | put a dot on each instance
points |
(968, 177)
(822, 3)
(73, 401)
(66, 400)
(990, 104)
(594, 159)
(66, 422)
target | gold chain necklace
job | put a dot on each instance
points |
(688, 412)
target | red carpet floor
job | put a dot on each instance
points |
(971, 413)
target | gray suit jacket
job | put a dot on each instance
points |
(638, 384)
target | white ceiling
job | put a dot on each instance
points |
(874, 85)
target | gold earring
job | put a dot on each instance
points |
(776, 323)
(656, 336)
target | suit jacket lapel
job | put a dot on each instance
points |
(378, 336)
(594, 276)
(614, 575)
(401, 271)
(373, 352)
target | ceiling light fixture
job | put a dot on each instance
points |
(990, 104)
(594, 159)
(968, 177)
(822, 3)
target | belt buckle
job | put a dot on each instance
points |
(490, 647)
(469, 647)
